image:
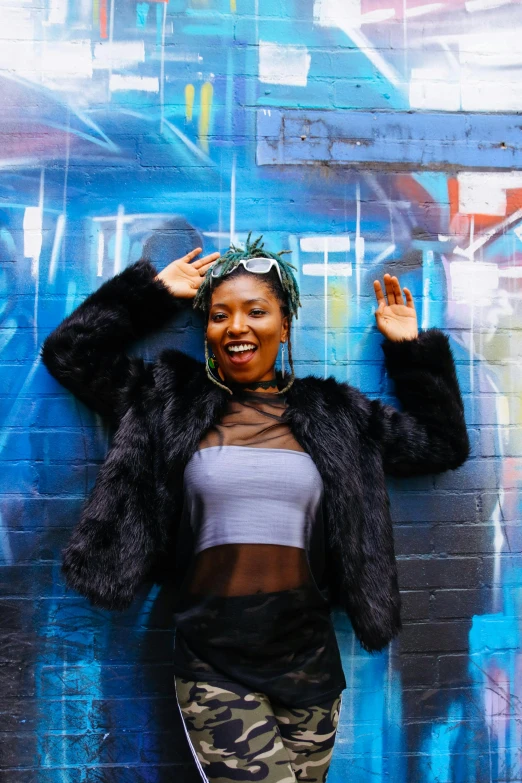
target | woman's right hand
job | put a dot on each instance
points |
(182, 277)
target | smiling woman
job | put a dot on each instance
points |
(246, 326)
(251, 317)
(246, 323)
(250, 613)
(265, 493)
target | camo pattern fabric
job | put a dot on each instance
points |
(239, 735)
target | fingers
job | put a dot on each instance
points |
(378, 291)
(393, 291)
(204, 269)
(202, 264)
(193, 253)
(409, 298)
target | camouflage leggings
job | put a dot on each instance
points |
(237, 735)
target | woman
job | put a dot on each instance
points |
(263, 492)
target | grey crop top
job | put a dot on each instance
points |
(252, 495)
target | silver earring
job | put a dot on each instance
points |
(282, 360)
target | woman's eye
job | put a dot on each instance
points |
(257, 312)
(218, 316)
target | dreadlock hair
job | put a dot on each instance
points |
(285, 290)
(230, 261)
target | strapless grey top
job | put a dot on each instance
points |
(251, 495)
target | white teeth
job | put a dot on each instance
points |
(242, 347)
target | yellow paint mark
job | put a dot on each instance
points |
(204, 114)
(95, 11)
(338, 310)
(233, 6)
(189, 101)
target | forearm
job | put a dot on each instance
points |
(86, 352)
(429, 435)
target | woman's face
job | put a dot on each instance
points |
(245, 328)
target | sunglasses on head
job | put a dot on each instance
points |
(259, 266)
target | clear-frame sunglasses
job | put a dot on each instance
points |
(259, 266)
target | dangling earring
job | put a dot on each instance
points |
(291, 377)
(282, 359)
(211, 366)
(212, 362)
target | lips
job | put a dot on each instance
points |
(240, 353)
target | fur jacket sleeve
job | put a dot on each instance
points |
(86, 352)
(117, 539)
(429, 435)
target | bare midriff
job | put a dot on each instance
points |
(245, 569)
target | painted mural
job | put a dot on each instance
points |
(366, 136)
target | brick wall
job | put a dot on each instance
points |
(367, 137)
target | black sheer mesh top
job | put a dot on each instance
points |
(251, 607)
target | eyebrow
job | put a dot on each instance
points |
(247, 301)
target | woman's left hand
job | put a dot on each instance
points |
(395, 320)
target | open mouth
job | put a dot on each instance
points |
(240, 353)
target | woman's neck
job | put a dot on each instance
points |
(258, 386)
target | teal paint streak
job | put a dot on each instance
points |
(142, 12)
(159, 23)
(440, 745)
(229, 98)
(494, 668)
(371, 740)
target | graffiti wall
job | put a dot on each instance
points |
(366, 136)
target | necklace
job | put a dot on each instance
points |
(272, 384)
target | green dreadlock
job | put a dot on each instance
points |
(230, 261)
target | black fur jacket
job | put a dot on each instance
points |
(161, 410)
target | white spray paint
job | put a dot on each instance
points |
(280, 64)
(118, 81)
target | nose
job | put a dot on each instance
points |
(237, 325)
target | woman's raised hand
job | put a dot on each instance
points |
(395, 320)
(182, 277)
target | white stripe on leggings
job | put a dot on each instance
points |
(198, 763)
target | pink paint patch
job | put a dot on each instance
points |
(103, 18)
